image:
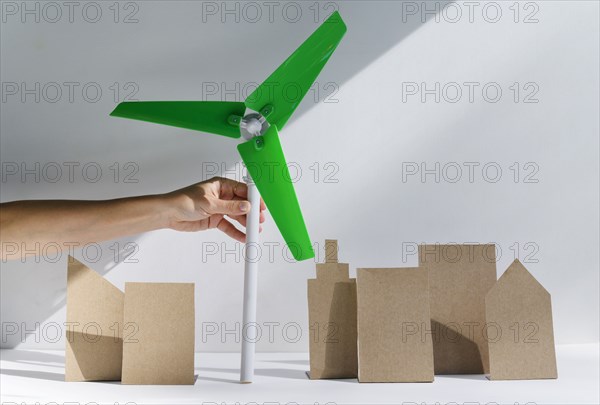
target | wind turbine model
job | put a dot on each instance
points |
(257, 120)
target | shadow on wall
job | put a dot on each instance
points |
(374, 27)
(33, 291)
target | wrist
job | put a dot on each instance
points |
(163, 210)
(174, 206)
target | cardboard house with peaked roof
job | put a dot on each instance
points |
(519, 327)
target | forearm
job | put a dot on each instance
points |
(67, 223)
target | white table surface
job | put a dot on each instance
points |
(29, 376)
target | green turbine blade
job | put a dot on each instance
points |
(278, 96)
(266, 164)
(215, 117)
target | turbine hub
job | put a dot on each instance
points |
(253, 125)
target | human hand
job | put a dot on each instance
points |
(204, 206)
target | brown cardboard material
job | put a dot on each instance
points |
(519, 327)
(158, 343)
(331, 251)
(394, 336)
(332, 319)
(460, 276)
(94, 341)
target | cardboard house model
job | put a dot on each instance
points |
(519, 327)
(448, 316)
(94, 348)
(142, 336)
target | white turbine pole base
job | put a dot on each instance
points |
(250, 283)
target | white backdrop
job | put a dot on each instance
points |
(479, 124)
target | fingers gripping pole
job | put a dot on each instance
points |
(249, 329)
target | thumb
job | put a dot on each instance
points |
(229, 207)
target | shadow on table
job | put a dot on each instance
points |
(40, 375)
(35, 358)
(266, 372)
(294, 362)
(44, 375)
(474, 377)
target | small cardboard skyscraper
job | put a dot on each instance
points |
(394, 336)
(332, 319)
(162, 349)
(460, 276)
